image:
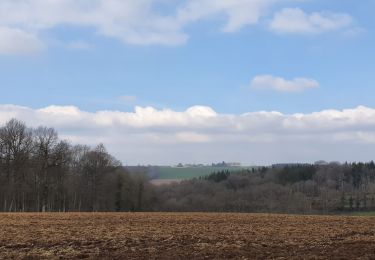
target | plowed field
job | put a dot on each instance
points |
(185, 236)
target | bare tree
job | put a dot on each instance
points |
(16, 145)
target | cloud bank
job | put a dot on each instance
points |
(18, 42)
(199, 134)
(133, 22)
(146, 22)
(295, 20)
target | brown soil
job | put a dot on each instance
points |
(185, 236)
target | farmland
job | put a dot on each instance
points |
(184, 235)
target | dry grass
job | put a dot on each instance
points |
(188, 235)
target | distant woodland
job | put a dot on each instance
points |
(40, 173)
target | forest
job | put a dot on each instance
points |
(41, 173)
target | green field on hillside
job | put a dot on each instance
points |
(180, 173)
(362, 213)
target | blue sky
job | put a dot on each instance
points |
(179, 54)
(212, 68)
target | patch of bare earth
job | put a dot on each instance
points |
(185, 235)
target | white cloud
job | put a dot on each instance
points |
(238, 13)
(134, 22)
(199, 134)
(16, 41)
(295, 20)
(147, 22)
(269, 82)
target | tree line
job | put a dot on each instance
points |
(300, 189)
(41, 173)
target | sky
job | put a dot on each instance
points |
(195, 81)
